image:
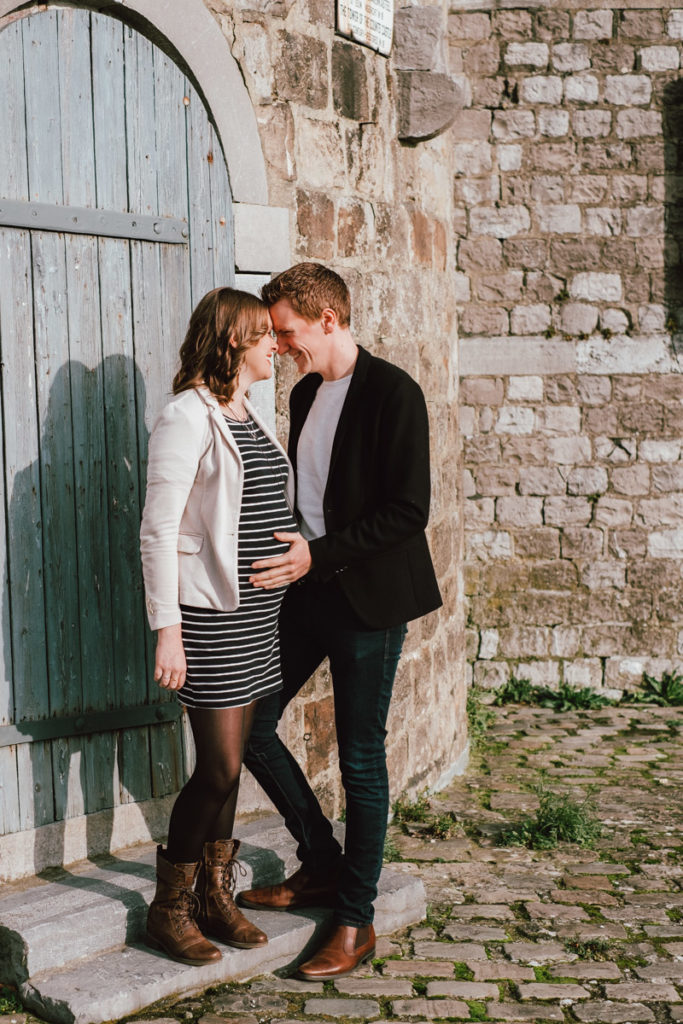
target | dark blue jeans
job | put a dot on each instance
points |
(316, 622)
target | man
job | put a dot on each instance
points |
(359, 442)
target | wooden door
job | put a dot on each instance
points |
(115, 218)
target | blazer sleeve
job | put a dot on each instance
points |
(402, 487)
(176, 445)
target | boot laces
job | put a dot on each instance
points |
(188, 906)
(229, 881)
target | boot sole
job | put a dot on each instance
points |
(337, 974)
(159, 947)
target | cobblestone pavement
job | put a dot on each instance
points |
(571, 934)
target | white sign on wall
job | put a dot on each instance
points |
(370, 22)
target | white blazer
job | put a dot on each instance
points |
(188, 537)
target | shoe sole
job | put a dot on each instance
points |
(336, 974)
(160, 948)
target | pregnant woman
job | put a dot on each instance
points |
(219, 497)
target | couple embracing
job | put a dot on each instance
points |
(257, 567)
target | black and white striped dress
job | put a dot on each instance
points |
(233, 657)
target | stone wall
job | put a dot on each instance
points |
(379, 212)
(567, 196)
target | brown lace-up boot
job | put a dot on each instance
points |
(219, 916)
(171, 921)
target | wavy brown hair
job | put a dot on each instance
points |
(207, 356)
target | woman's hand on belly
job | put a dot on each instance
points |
(170, 666)
(281, 570)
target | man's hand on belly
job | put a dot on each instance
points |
(283, 569)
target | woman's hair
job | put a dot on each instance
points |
(224, 315)
(310, 288)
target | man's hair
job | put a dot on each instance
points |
(310, 288)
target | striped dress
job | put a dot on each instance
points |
(233, 657)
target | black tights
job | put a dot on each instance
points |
(205, 808)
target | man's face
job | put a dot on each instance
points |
(304, 340)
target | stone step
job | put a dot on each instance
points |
(72, 942)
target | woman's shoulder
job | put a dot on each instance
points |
(187, 408)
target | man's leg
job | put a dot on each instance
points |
(363, 664)
(267, 757)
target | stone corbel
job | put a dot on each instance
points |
(428, 99)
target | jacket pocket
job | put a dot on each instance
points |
(190, 543)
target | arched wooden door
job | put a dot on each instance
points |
(115, 217)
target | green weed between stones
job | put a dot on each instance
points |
(9, 1001)
(462, 971)
(591, 949)
(479, 717)
(437, 917)
(419, 812)
(666, 692)
(559, 819)
(391, 851)
(565, 698)
(477, 1010)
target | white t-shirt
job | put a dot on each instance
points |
(314, 451)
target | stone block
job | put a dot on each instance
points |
(524, 641)
(592, 123)
(538, 543)
(587, 188)
(543, 990)
(581, 89)
(527, 55)
(660, 58)
(428, 102)
(461, 288)
(462, 989)
(579, 317)
(628, 90)
(652, 318)
(559, 420)
(639, 991)
(533, 319)
(350, 92)
(496, 480)
(604, 221)
(615, 320)
(525, 389)
(418, 38)
(557, 575)
(542, 89)
(618, 57)
(509, 157)
(488, 544)
(644, 220)
(582, 543)
(553, 156)
(564, 643)
(596, 287)
(631, 480)
(542, 287)
(513, 124)
(674, 25)
(660, 451)
(587, 480)
(482, 58)
(473, 158)
(561, 219)
(352, 229)
(553, 123)
(301, 74)
(593, 390)
(500, 222)
(602, 1011)
(570, 254)
(527, 253)
(491, 320)
(542, 480)
(661, 511)
(474, 26)
(567, 451)
(641, 24)
(603, 575)
(471, 124)
(513, 24)
(253, 223)
(315, 223)
(367, 1009)
(667, 478)
(539, 673)
(567, 57)
(515, 419)
(665, 544)
(476, 254)
(320, 155)
(593, 24)
(478, 513)
(566, 511)
(500, 287)
(488, 644)
(519, 511)
(613, 512)
(426, 1010)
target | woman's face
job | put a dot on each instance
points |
(258, 359)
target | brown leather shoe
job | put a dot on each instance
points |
(171, 921)
(344, 949)
(219, 917)
(301, 889)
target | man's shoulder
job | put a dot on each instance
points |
(383, 375)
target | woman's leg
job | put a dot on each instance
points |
(205, 808)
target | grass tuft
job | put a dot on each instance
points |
(565, 698)
(479, 717)
(559, 819)
(591, 949)
(391, 851)
(9, 1001)
(666, 692)
(440, 826)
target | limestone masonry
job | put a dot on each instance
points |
(567, 219)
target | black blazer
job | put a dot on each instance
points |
(376, 501)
